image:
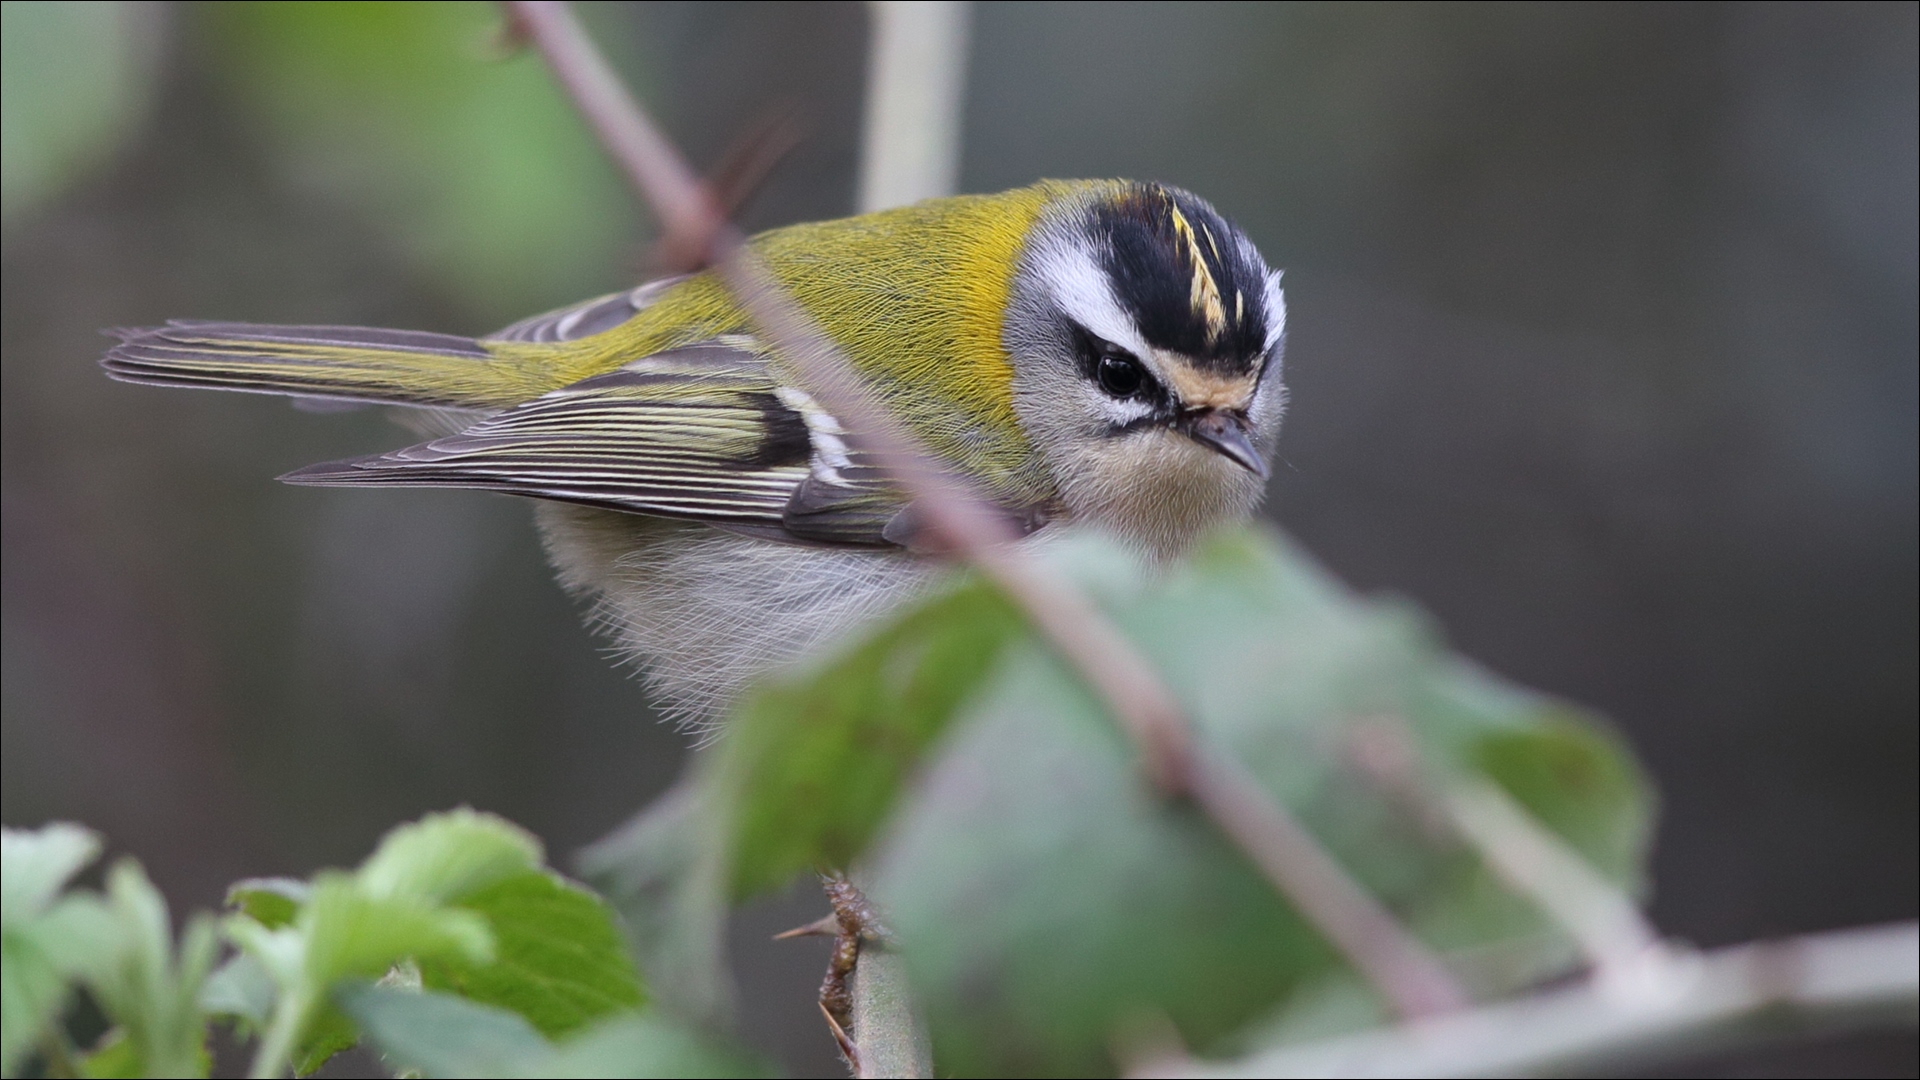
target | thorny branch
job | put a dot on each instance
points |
(864, 996)
(1409, 975)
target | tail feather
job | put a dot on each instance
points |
(347, 363)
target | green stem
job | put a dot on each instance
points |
(276, 1046)
(886, 1027)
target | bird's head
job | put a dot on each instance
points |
(1145, 333)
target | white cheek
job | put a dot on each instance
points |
(1084, 294)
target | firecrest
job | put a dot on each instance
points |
(1084, 352)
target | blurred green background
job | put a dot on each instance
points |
(1604, 348)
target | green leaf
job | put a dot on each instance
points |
(350, 934)
(74, 80)
(40, 959)
(559, 960)
(471, 160)
(33, 993)
(147, 987)
(1076, 899)
(459, 896)
(38, 945)
(666, 873)
(240, 989)
(810, 766)
(644, 1044)
(445, 1036)
(327, 1032)
(1579, 780)
(343, 933)
(443, 857)
(118, 1057)
(271, 902)
(120, 946)
(1046, 897)
(114, 1058)
(441, 1035)
(35, 865)
(818, 757)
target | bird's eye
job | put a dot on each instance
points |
(1120, 376)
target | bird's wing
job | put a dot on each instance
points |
(588, 317)
(702, 432)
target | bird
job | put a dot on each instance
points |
(1102, 354)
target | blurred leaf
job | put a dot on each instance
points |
(37, 944)
(328, 1032)
(475, 164)
(446, 856)
(239, 988)
(1076, 898)
(644, 1044)
(120, 946)
(810, 766)
(144, 985)
(118, 1057)
(35, 865)
(271, 902)
(818, 757)
(666, 873)
(559, 961)
(115, 1058)
(1561, 768)
(341, 933)
(40, 959)
(444, 1036)
(33, 992)
(350, 934)
(1047, 897)
(74, 79)
(457, 900)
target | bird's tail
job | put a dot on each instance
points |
(340, 363)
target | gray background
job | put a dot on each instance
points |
(1604, 349)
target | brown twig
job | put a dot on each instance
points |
(733, 182)
(1685, 1005)
(1614, 935)
(967, 527)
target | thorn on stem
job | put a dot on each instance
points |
(824, 926)
(848, 1049)
(853, 921)
(855, 914)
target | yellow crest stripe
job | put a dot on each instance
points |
(1204, 294)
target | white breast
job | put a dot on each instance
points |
(704, 612)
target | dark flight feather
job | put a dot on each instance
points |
(696, 433)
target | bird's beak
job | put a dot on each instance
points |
(1227, 433)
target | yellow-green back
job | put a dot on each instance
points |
(916, 297)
